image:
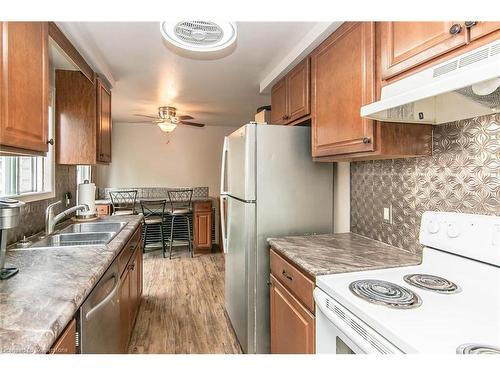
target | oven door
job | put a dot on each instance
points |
(338, 331)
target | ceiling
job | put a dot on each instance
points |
(147, 73)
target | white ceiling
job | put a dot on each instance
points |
(146, 73)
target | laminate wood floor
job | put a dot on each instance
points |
(182, 308)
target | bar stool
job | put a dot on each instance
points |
(123, 202)
(180, 206)
(153, 212)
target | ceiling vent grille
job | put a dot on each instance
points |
(199, 36)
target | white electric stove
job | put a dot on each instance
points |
(450, 303)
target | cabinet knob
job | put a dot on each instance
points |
(469, 24)
(288, 276)
(366, 140)
(455, 29)
(51, 142)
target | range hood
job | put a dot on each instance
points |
(460, 88)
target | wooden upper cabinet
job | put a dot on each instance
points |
(298, 91)
(279, 108)
(342, 75)
(104, 124)
(24, 85)
(75, 118)
(404, 45)
(290, 97)
(479, 29)
(292, 325)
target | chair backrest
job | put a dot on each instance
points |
(153, 208)
(123, 200)
(180, 198)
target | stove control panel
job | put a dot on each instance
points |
(472, 236)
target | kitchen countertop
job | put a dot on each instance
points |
(325, 254)
(38, 302)
(194, 199)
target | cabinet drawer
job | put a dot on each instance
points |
(203, 206)
(301, 286)
(128, 250)
(66, 342)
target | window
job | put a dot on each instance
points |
(83, 172)
(24, 175)
(29, 178)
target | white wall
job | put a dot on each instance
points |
(144, 156)
(342, 198)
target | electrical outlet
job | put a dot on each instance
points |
(388, 214)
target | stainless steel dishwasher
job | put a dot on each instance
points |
(100, 315)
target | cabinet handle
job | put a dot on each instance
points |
(469, 24)
(51, 142)
(131, 267)
(366, 140)
(455, 29)
(288, 276)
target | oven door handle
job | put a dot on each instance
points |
(106, 299)
(366, 346)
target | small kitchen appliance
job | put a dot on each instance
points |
(10, 210)
(86, 195)
(448, 304)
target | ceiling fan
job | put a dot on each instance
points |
(168, 120)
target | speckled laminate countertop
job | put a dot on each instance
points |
(194, 199)
(344, 252)
(38, 302)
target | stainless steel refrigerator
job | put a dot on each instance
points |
(269, 187)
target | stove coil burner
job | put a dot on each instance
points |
(385, 293)
(432, 283)
(477, 349)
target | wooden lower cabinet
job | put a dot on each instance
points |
(66, 342)
(291, 308)
(292, 325)
(130, 295)
(202, 225)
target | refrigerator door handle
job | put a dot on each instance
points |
(223, 168)
(223, 215)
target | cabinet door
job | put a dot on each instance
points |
(342, 77)
(66, 342)
(203, 230)
(24, 77)
(75, 118)
(482, 28)
(298, 90)
(405, 45)
(279, 103)
(125, 311)
(104, 124)
(134, 286)
(292, 326)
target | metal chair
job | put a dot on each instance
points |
(123, 202)
(153, 214)
(180, 206)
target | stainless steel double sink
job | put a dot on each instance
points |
(82, 234)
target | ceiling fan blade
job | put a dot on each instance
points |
(192, 124)
(148, 116)
(137, 122)
(185, 117)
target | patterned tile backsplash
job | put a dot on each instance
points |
(462, 175)
(32, 218)
(154, 192)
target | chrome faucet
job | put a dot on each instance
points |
(51, 220)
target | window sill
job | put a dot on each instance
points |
(33, 197)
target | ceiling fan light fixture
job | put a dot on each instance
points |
(199, 36)
(167, 127)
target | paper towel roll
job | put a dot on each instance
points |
(86, 195)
